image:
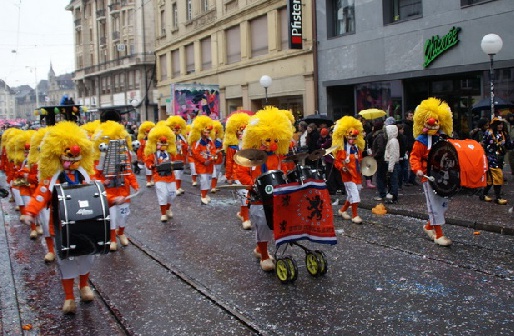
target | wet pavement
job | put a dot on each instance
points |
(196, 275)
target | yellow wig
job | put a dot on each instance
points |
(341, 129)
(90, 127)
(160, 130)
(8, 134)
(188, 130)
(433, 108)
(8, 142)
(110, 130)
(290, 116)
(18, 142)
(35, 143)
(217, 130)
(234, 123)
(177, 122)
(199, 124)
(268, 123)
(143, 130)
(63, 135)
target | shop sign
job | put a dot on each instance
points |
(294, 8)
(436, 46)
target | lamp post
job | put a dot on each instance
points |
(265, 83)
(135, 104)
(491, 45)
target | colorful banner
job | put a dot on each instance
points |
(190, 100)
(303, 211)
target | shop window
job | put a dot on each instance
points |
(342, 20)
(401, 10)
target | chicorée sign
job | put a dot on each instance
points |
(436, 46)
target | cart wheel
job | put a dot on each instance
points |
(323, 258)
(282, 270)
(313, 263)
(293, 269)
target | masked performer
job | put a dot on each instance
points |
(217, 136)
(113, 170)
(160, 148)
(235, 127)
(349, 139)
(142, 136)
(203, 151)
(432, 120)
(269, 130)
(66, 157)
(178, 125)
(190, 158)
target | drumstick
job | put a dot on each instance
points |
(133, 195)
(430, 178)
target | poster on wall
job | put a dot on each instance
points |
(190, 100)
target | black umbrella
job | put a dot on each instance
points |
(318, 119)
(485, 104)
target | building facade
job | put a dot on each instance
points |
(391, 54)
(7, 102)
(232, 44)
(114, 55)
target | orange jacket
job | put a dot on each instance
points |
(419, 158)
(351, 173)
(248, 175)
(152, 161)
(123, 190)
(204, 150)
(230, 164)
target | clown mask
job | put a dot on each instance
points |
(240, 132)
(351, 136)
(162, 144)
(206, 132)
(431, 126)
(177, 130)
(71, 157)
(269, 145)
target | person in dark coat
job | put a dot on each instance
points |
(408, 123)
(378, 150)
(312, 143)
(333, 177)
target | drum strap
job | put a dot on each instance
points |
(63, 178)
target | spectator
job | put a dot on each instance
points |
(409, 135)
(332, 175)
(368, 138)
(379, 141)
(477, 133)
(302, 136)
(312, 143)
(403, 174)
(392, 158)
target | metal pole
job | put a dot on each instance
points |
(266, 95)
(491, 78)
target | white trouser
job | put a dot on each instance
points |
(119, 214)
(17, 196)
(436, 205)
(352, 192)
(74, 266)
(216, 173)
(166, 192)
(257, 216)
(205, 181)
(193, 168)
(178, 174)
(44, 220)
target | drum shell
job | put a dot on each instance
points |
(300, 174)
(264, 185)
(81, 219)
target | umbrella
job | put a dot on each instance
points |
(318, 119)
(371, 114)
(485, 104)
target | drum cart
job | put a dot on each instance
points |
(286, 269)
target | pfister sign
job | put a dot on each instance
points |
(294, 8)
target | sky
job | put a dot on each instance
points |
(33, 34)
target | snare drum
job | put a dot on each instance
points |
(264, 184)
(81, 219)
(302, 173)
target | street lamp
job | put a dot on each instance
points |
(266, 83)
(491, 45)
(135, 104)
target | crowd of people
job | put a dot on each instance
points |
(75, 155)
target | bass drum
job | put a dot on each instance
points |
(456, 163)
(81, 219)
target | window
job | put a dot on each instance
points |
(259, 35)
(205, 45)
(205, 5)
(175, 62)
(190, 59)
(189, 10)
(344, 19)
(174, 15)
(400, 10)
(164, 67)
(284, 25)
(233, 42)
(163, 22)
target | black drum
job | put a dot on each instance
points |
(264, 184)
(167, 167)
(81, 219)
(443, 166)
(302, 173)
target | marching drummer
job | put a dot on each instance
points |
(160, 148)
(204, 154)
(178, 125)
(432, 119)
(66, 157)
(270, 131)
(115, 142)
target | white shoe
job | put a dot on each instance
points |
(336, 202)
(86, 294)
(344, 214)
(430, 233)
(152, 183)
(39, 229)
(208, 198)
(267, 265)
(33, 234)
(148, 184)
(164, 218)
(113, 246)
(357, 220)
(22, 218)
(194, 183)
(169, 214)
(49, 257)
(247, 225)
(258, 255)
(443, 241)
(123, 240)
(238, 215)
(389, 196)
(213, 190)
(180, 191)
(69, 307)
(204, 200)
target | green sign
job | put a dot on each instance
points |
(436, 45)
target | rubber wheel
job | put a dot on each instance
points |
(282, 270)
(293, 269)
(313, 263)
(323, 259)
